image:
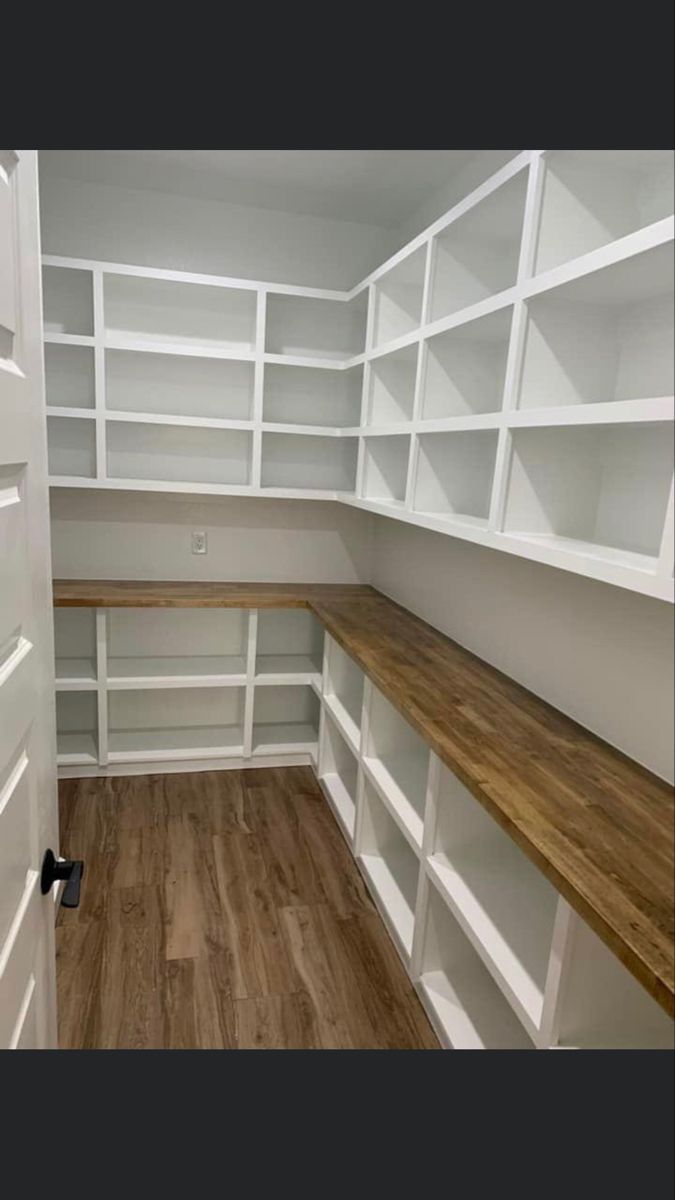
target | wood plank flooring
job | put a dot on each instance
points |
(222, 910)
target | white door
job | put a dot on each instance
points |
(28, 802)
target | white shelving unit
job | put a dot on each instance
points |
(498, 957)
(544, 300)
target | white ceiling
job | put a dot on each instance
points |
(373, 187)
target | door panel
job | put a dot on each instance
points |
(28, 813)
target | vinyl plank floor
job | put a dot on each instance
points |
(222, 910)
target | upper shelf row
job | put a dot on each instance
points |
(589, 199)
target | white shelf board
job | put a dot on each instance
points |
(149, 745)
(286, 669)
(497, 903)
(152, 418)
(274, 738)
(391, 899)
(75, 674)
(611, 412)
(348, 727)
(68, 339)
(78, 414)
(176, 672)
(341, 802)
(480, 1026)
(76, 749)
(184, 349)
(394, 797)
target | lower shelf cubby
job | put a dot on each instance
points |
(391, 868)
(344, 688)
(463, 1000)
(338, 772)
(502, 901)
(285, 720)
(176, 647)
(146, 725)
(311, 463)
(454, 475)
(77, 728)
(75, 648)
(386, 468)
(289, 647)
(178, 453)
(398, 761)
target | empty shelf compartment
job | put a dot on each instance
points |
(285, 719)
(392, 387)
(152, 725)
(398, 760)
(605, 337)
(592, 197)
(69, 376)
(77, 728)
(398, 299)
(344, 692)
(176, 647)
(501, 899)
(75, 648)
(168, 312)
(67, 301)
(71, 445)
(312, 395)
(289, 644)
(385, 473)
(467, 1007)
(178, 453)
(598, 490)
(214, 388)
(338, 771)
(455, 473)
(465, 368)
(390, 866)
(308, 463)
(477, 255)
(308, 327)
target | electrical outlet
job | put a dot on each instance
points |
(198, 542)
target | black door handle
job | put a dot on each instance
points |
(69, 869)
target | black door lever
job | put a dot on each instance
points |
(69, 869)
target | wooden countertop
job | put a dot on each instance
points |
(599, 826)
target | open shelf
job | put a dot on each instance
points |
(305, 327)
(187, 387)
(343, 691)
(391, 867)
(312, 463)
(174, 647)
(71, 447)
(162, 311)
(602, 1007)
(392, 387)
(599, 490)
(77, 728)
(465, 368)
(592, 197)
(454, 474)
(285, 719)
(338, 771)
(67, 301)
(312, 395)
(289, 647)
(606, 336)
(398, 761)
(477, 255)
(75, 648)
(504, 904)
(150, 725)
(178, 453)
(467, 1007)
(386, 468)
(69, 376)
(398, 299)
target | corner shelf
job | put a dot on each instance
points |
(285, 718)
(398, 299)
(391, 868)
(312, 396)
(392, 387)
(178, 386)
(505, 906)
(308, 327)
(454, 474)
(477, 255)
(593, 197)
(289, 648)
(308, 463)
(386, 468)
(397, 762)
(465, 368)
(469, 1011)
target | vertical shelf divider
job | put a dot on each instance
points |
(102, 684)
(561, 945)
(258, 387)
(365, 391)
(251, 652)
(430, 817)
(99, 374)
